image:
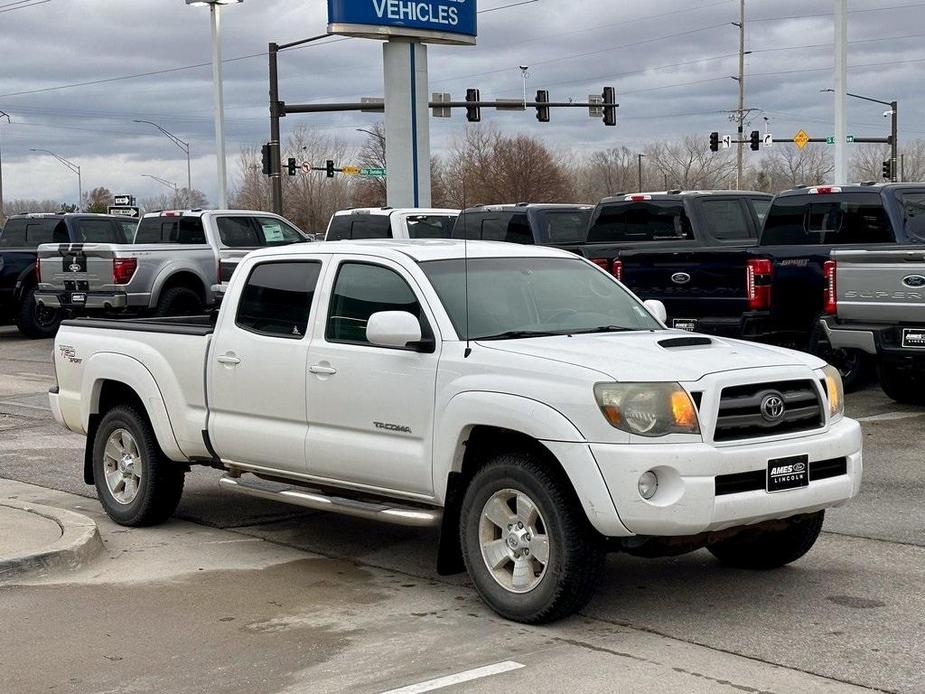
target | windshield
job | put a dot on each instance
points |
(563, 226)
(914, 208)
(430, 226)
(524, 297)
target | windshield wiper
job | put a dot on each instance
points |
(518, 334)
(602, 329)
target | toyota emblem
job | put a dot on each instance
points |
(772, 407)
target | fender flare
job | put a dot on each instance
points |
(132, 373)
(169, 272)
(23, 283)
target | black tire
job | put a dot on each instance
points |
(575, 550)
(178, 301)
(36, 322)
(855, 366)
(160, 482)
(902, 385)
(760, 550)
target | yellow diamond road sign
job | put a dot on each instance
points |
(801, 139)
(351, 170)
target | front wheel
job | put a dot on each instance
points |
(35, 321)
(135, 483)
(762, 549)
(527, 545)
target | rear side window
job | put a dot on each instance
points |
(237, 232)
(511, 227)
(829, 220)
(727, 220)
(761, 207)
(128, 230)
(99, 231)
(170, 230)
(430, 226)
(563, 226)
(359, 226)
(640, 221)
(277, 299)
(362, 289)
(914, 212)
(14, 234)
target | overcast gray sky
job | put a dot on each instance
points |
(670, 60)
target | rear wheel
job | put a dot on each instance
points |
(762, 549)
(135, 483)
(37, 322)
(178, 301)
(902, 385)
(528, 547)
(854, 365)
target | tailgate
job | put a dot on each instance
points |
(85, 267)
(692, 284)
(881, 286)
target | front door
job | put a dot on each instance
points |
(257, 388)
(371, 410)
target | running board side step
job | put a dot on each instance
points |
(412, 516)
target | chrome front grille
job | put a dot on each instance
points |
(768, 409)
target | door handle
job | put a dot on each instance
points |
(325, 370)
(228, 359)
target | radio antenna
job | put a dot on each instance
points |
(468, 349)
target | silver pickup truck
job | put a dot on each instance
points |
(170, 268)
(876, 303)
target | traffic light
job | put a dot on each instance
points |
(266, 153)
(292, 166)
(755, 140)
(473, 113)
(329, 168)
(888, 169)
(542, 112)
(610, 106)
(714, 142)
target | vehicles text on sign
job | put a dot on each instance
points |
(405, 18)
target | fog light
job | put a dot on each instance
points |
(648, 485)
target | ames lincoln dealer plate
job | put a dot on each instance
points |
(788, 473)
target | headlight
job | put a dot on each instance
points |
(648, 409)
(835, 391)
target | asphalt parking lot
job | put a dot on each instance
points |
(240, 594)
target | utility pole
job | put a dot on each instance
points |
(639, 169)
(894, 139)
(840, 173)
(3, 114)
(740, 115)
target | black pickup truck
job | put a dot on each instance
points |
(560, 225)
(19, 242)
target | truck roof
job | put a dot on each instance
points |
(419, 250)
(65, 215)
(849, 188)
(678, 194)
(529, 206)
(388, 211)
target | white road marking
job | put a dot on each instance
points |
(891, 416)
(459, 678)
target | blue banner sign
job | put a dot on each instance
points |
(406, 17)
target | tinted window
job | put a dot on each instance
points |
(360, 291)
(277, 299)
(761, 207)
(563, 226)
(170, 230)
(237, 232)
(14, 234)
(40, 231)
(727, 220)
(99, 231)
(828, 220)
(914, 208)
(359, 226)
(274, 232)
(641, 221)
(128, 228)
(430, 226)
(512, 227)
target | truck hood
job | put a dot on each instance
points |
(638, 356)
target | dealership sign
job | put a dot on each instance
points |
(437, 21)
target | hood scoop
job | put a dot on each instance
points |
(673, 342)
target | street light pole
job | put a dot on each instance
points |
(894, 127)
(186, 148)
(168, 184)
(74, 169)
(8, 120)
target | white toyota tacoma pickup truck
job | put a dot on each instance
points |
(520, 398)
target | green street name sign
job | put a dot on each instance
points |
(372, 173)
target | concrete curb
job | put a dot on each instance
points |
(80, 542)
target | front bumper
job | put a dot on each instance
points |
(686, 502)
(95, 301)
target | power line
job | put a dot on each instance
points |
(829, 14)
(21, 5)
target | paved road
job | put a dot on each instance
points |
(852, 612)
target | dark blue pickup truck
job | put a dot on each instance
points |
(19, 241)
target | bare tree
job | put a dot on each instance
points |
(785, 167)
(605, 173)
(25, 206)
(97, 200)
(689, 165)
(371, 192)
(867, 162)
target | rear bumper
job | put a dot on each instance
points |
(95, 301)
(754, 325)
(687, 502)
(884, 341)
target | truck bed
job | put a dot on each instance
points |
(198, 326)
(881, 286)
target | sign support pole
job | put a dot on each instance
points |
(840, 173)
(407, 131)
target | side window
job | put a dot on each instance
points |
(362, 289)
(14, 234)
(127, 228)
(761, 207)
(98, 231)
(237, 232)
(277, 298)
(46, 231)
(275, 232)
(191, 231)
(727, 220)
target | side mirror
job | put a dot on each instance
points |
(395, 329)
(657, 309)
